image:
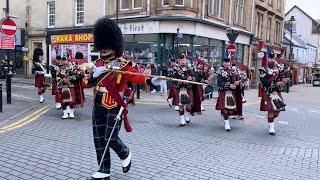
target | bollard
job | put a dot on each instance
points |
(8, 87)
(1, 98)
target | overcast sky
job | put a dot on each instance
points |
(311, 7)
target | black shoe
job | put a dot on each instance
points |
(272, 134)
(228, 130)
(126, 169)
(187, 122)
(91, 178)
(181, 125)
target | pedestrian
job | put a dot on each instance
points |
(39, 71)
(109, 107)
(147, 72)
(271, 99)
(164, 72)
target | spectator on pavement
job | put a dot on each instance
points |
(163, 72)
(147, 72)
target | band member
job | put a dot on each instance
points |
(271, 100)
(55, 71)
(198, 75)
(185, 92)
(173, 96)
(108, 102)
(226, 99)
(39, 71)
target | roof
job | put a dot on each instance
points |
(296, 40)
(295, 6)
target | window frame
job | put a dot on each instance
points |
(212, 8)
(136, 8)
(76, 13)
(270, 3)
(49, 14)
(279, 4)
(269, 28)
(239, 8)
(120, 6)
(179, 5)
(165, 5)
(259, 25)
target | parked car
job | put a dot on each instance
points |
(316, 79)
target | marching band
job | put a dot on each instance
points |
(111, 75)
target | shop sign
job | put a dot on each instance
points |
(72, 38)
(140, 27)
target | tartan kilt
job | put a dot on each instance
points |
(174, 94)
(220, 105)
(79, 96)
(54, 88)
(265, 104)
(58, 96)
(39, 81)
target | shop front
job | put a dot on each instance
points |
(151, 42)
(69, 44)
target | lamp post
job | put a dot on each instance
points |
(178, 36)
(291, 23)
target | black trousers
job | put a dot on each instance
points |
(103, 120)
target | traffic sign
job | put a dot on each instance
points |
(8, 27)
(7, 42)
(232, 49)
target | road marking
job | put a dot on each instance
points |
(283, 122)
(26, 120)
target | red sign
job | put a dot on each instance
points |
(7, 42)
(8, 27)
(232, 49)
(72, 38)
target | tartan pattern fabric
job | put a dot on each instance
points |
(103, 120)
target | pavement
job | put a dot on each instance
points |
(40, 145)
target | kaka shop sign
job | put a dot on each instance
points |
(72, 38)
(8, 29)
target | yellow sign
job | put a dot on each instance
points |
(72, 38)
(26, 58)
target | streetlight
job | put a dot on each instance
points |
(291, 22)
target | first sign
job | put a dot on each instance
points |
(8, 27)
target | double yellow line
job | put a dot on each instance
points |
(26, 120)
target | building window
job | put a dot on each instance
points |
(278, 32)
(239, 4)
(215, 8)
(259, 25)
(270, 2)
(51, 14)
(124, 5)
(269, 29)
(179, 2)
(279, 5)
(79, 12)
(137, 4)
(165, 3)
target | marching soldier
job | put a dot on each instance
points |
(109, 105)
(39, 71)
(226, 100)
(173, 96)
(55, 71)
(271, 100)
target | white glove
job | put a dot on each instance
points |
(98, 71)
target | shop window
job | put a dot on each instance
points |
(239, 5)
(240, 49)
(137, 4)
(215, 8)
(79, 12)
(51, 14)
(179, 2)
(124, 5)
(165, 3)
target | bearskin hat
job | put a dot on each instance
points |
(226, 59)
(36, 53)
(108, 35)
